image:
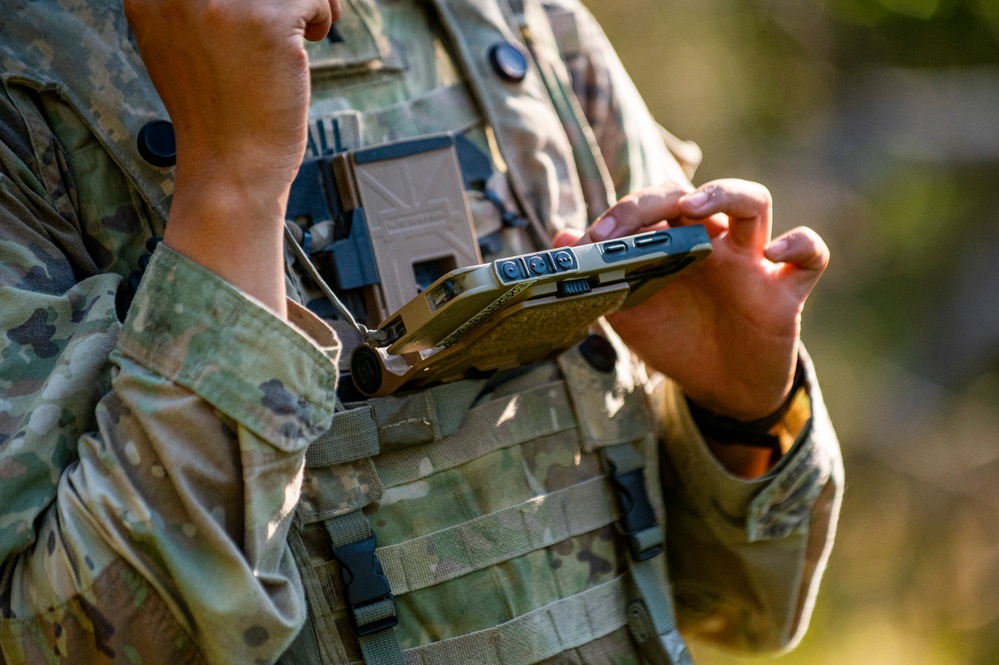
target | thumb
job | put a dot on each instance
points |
(566, 238)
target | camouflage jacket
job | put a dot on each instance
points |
(152, 469)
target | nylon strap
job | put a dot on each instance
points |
(351, 533)
(649, 575)
(348, 529)
(653, 586)
(352, 435)
(381, 648)
(489, 540)
(502, 423)
(548, 631)
(366, 430)
(450, 403)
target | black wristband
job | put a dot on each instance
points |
(756, 433)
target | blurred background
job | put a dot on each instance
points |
(876, 122)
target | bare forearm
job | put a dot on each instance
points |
(240, 121)
(233, 232)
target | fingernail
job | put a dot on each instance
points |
(777, 247)
(603, 228)
(697, 199)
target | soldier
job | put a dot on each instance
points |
(180, 481)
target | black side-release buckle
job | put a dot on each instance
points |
(637, 516)
(365, 585)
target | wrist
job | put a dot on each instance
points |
(749, 448)
(233, 232)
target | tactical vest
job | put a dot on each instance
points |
(506, 520)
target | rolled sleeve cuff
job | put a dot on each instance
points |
(195, 329)
(766, 508)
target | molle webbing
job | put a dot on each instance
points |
(501, 536)
(398, 421)
(420, 434)
(354, 435)
(540, 412)
(547, 631)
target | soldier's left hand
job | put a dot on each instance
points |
(726, 329)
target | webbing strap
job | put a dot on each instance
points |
(499, 536)
(368, 594)
(491, 539)
(645, 540)
(548, 631)
(381, 648)
(352, 435)
(654, 589)
(367, 430)
(624, 458)
(499, 424)
(348, 529)
(450, 403)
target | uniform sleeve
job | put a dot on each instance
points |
(745, 557)
(149, 470)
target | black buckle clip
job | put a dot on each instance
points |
(636, 512)
(364, 583)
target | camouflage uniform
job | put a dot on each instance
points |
(166, 494)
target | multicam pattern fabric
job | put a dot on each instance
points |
(154, 505)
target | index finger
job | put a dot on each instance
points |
(325, 12)
(639, 211)
(748, 204)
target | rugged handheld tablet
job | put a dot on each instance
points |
(519, 309)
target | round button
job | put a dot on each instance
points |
(537, 265)
(157, 144)
(510, 270)
(509, 61)
(564, 260)
(599, 352)
(366, 369)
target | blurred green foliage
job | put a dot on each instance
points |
(917, 33)
(876, 122)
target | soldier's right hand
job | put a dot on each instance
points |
(234, 77)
